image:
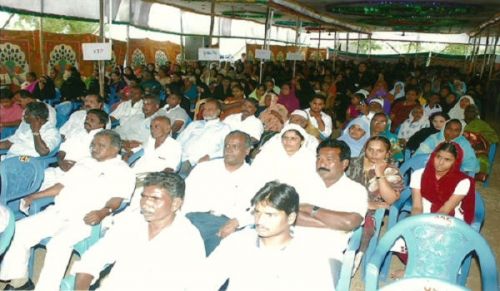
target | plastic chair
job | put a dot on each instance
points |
(135, 157)
(379, 219)
(8, 131)
(344, 282)
(63, 111)
(50, 158)
(20, 176)
(8, 233)
(491, 159)
(422, 284)
(437, 244)
(414, 163)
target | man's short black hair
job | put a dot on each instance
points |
(246, 137)
(412, 88)
(97, 96)
(345, 151)
(38, 109)
(5, 94)
(102, 115)
(319, 96)
(24, 94)
(279, 195)
(172, 183)
(253, 101)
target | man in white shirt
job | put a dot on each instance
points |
(76, 121)
(35, 136)
(152, 249)
(89, 192)
(269, 256)
(203, 140)
(176, 113)
(76, 147)
(130, 107)
(219, 209)
(135, 130)
(319, 119)
(333, 207)
(246, 120)
(161, 151)
(24, 98)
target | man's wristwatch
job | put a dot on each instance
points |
(314, 211)
(109, 209)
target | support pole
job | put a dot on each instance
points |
(347, 43)
(101, 36)
(484, 54)
(126, 61)
(492, 61)
(269, 19)
(212, 19)
(183, 53)
(471, 60)
(41, 39)
(319, 43)
(297, 36)
(476, 54)
(357, 49)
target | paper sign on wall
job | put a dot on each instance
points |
(96, 51)
(294, 56)
(262, 54)
(208, 54)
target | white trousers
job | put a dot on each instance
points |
(30, 231)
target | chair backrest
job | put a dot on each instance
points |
(20, 176)
(135, 157)
(8, 233)
(479, 213)
(414, 163)
(437, 244)
(63, 111)
(491, 156)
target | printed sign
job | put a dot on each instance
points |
(294, 57)
(208, 54)
(262, 54)
(96, 51)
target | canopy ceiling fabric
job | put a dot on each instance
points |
(246, 18)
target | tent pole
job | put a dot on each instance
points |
(319, 43)
(492, 61)
(484, 54)
(127, 46)
(41, 40)
(347, 43)
(476, 54)
(357, 49)
(297, 35)
(183, 53)
(472, 54)
(212, 20)
(269, 17)
(101, 36)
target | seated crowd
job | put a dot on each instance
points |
(238, 184)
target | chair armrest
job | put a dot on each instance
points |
(40, 204)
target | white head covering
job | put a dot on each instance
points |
(356, 145)
(363, 92)
(377, 100)
(300, 113)
(401, 93)
(458, 112)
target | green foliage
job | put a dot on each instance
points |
(457, 49)
(56, 25)
(366, 44)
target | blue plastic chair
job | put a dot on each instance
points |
(8, 131)
(8, 233)
(414, 163)
(379, 219)
(20, 176)
(491, 159)
(135, 157)
(344, 282)
(437, 244)
(422, 284)
(50, 158)
(63, 111)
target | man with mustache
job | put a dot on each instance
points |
(89, 192)
(76, 121)
(76, 147)
(203, 140)
(246, 120)
(152, 249)
(333, 207)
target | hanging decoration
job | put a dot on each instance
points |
(138, 58)
(61, 56)
(161, 58)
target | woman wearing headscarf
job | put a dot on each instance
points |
(452, 131)
(287, 98)
(287, 161)
(457, 111)
(356, 134)
(414, 123)
(398, 91)
(379, 126)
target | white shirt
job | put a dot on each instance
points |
(252, 267)
(89, 184)
(77, 147)
(202, 138)
(23, 143)
(461, 189)
(177, 113)
(75, 123)
(137, 127)
(167, 155)
(251, 125)
(346, 196)
(165, 262)
(327, 120)
(211, 187)
(126, 110)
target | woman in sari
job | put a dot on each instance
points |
(379, 126)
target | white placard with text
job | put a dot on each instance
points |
(96, 51)
(208, 54)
